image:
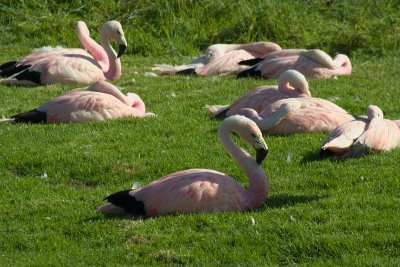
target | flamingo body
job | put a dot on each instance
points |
(100, 101)
(202, 190)
(70, 65)
(221, 59)
(298, 115)
(291, 83)
(312, 63)
(359, 137)
(306, 120)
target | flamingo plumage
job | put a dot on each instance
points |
(312, 63)
(221, 59)
(100, 101)
(49, 65)
(361, 136)
(298, 115)
(203, 190)
(291, 83)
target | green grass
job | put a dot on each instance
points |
(320, 212)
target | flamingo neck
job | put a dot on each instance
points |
(260, 49)
(293, 84)
(258, 181)
(91, 45)
(114, 70)
(264, 124)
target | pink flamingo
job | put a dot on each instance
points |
(298, 115)
(70, 65)
(221, 59)
(100, 101)
(358, 137)
(202, 190)
(313, 63)
(291, 83)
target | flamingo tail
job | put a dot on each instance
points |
(33, 116)
(217, 111)
(250, 62)
(250, 72)
(189, 71)
(127, 202)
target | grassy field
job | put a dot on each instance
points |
(320, 212)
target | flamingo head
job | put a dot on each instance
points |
(213, 52)
(251, 134)
(295, 80)
(114, 31)
(374, 112)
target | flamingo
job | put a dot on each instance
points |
(49, 65)
(202, 190)
(221, 59)
(358, 137)
(298, 115)
(312, 63)
(100, 101)
(291, 83)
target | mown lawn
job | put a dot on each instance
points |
(319, 212)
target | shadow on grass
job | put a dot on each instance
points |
(286, 200)
(102, 217)
(273, 202)
(316, 156)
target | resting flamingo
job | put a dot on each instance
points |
(291, 83)
(298, 115)
(313, 63)
(70, 65)
(358, 137)
(202, 190)
(221, 59)
(100, 101)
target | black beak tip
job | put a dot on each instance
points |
(121, 50)
(260, 155)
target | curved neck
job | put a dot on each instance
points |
(285, 87)
(258, 183)
(293, 83)
(114, 70)
(264, 123)
(260, 49)
(91, 45)
(108, 88)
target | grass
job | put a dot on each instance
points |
(320, 212)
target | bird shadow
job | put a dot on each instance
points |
(318, 157)
(102, 217)
(273, 202)
(279, 201)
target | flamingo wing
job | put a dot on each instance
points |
(342, 138)
(189, 191)
(257, 99)
(81, 106)
(379, 135)
(58, 65)
(228, 63)
(306, 119)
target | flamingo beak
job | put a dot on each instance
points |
(121, 49)
(261, 153)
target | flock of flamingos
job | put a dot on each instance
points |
(280, 109)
